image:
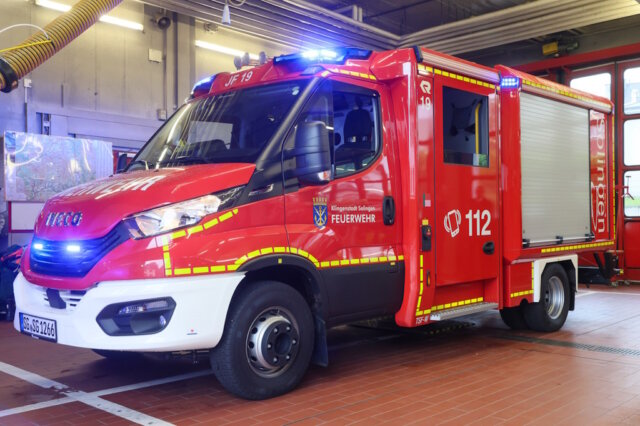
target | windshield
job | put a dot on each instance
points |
(232, 127)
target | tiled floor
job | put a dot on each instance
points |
(471, 371)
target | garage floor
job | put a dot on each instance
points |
(470, 371)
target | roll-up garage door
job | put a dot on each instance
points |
(555, 170)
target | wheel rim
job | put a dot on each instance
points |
(554, 297)
(273, 340)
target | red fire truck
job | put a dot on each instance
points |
(323, 188)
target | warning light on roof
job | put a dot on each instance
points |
(326, 56)
(509, 83)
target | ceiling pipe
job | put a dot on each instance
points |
(282, 28)
(301, 24)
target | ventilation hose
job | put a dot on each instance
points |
(30, 54)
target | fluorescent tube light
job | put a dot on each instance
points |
(224, 49)
(53, 5)
(106, 18)
(122, 23)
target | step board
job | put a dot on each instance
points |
(462, 311)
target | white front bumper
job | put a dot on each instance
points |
(197, 322)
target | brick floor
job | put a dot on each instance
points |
(475, 372)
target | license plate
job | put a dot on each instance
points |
(41, 328)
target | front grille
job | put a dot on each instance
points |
(55, 258)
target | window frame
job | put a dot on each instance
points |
(483, 123)
(341, 86)
(376, 119)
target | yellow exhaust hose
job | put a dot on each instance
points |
(17, 62)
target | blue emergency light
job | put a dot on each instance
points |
(509, 83)
(203, 86)
(323, 56)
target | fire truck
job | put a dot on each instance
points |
(322, 188)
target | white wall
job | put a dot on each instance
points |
(103, 85)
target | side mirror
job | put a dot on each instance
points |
(122, 163)
(312, 153)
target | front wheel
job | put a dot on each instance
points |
(550, 313)
(267, 342)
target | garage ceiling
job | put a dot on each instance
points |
(451, 26)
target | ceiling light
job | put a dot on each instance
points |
(224, 49)
(226, 14)
(122, 23)
(106, 18)
(53, 5)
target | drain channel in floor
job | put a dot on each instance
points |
(584, 346)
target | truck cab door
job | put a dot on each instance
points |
(349, 226)
(466, 182)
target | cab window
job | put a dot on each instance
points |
(351, 116)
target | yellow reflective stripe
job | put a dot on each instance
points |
(227, 215)
(271, 250)
(456, 304)
(564, 93)
(178, 234)
(576, 247)
(168, 272)
(459, 77)
(421, 270)
(211, 223)
(195, 229)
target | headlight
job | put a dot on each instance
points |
(174, 216)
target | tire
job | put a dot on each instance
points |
(267, 342)
(514, 318)
(118, 355)
(550, 313)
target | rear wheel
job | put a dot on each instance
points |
(514, 318)
(267, 342)
(550, 313)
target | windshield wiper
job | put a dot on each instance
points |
(145, 163)
(184, 160)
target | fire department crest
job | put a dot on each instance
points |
(320, 212)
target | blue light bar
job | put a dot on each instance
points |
(323, 56)
(509, 83)
(203, 86)
(38, 246)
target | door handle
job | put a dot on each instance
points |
(388, 210)
(488, 247)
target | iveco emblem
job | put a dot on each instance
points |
(64, 219)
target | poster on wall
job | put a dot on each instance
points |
(36, 167)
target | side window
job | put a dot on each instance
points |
(356, 132)
(351, 116)
(632, 205)
(465, 127)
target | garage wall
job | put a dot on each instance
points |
(103, 84)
